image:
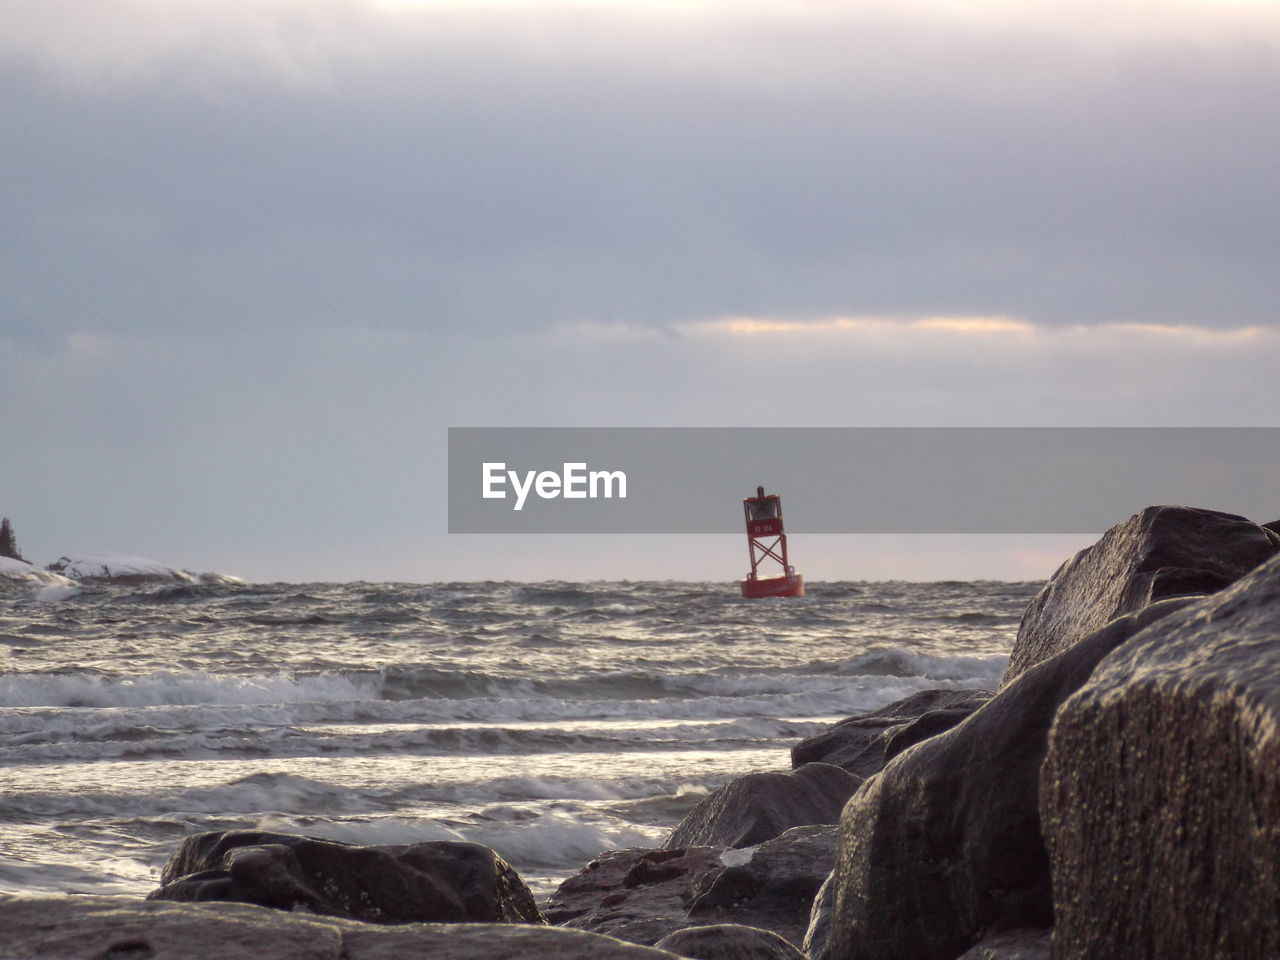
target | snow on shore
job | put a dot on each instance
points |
(21, 570)
(115, 566)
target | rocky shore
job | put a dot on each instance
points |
(92, 568)
(1117, 797)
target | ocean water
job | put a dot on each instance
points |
(550, 721)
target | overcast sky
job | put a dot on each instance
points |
(258, 255)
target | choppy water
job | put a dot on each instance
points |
(550, 721)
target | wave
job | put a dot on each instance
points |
(550, 721)
(414, 683)
(127, 741)
(895, 661)
(560, 594)
(286, 794)
(55, 592)
(173, 688)
(206, 587)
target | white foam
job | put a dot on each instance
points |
(55, 592)
(380, 831)
(558, 839)
(621, 607)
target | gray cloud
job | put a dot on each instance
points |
(507, 172)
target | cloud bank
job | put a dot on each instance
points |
(322, 457)
(499, 167)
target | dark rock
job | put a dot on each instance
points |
(1161, 789)
(760, 806)
(1161, 552)
(923, 727)
(943, 847)
(1013, 945)
(644, 895)
(729, 941)
(657, 867)
(857, 743)
(648, 930)
(638, 895)
(775, 888)
(421, 882)
(817, 938)
(126, 928)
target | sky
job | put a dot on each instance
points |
(259, 255)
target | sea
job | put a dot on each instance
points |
(550, 721)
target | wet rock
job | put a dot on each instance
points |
(760, 806)
(1161, 789)
(422, 882)
(1161, 552)
(925, 726)
(636, 894)
(943, 847)
(775, 888)
(857, 744)
(126, 928)
(644, 895)
(817, 938)
(1013, 945)
(729, 941)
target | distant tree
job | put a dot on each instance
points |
(8, 545)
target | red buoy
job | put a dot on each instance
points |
(766, 540)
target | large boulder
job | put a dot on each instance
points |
(1160, 793)
(817, 938)
(126, 928)
(857, 744)
(729, 941)
(1161, 552)
(422, 882)
(774, 889)
(759, 806)
(943, 847)
(645, 895)
(635, 894)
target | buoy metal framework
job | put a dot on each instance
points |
(766, 545)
